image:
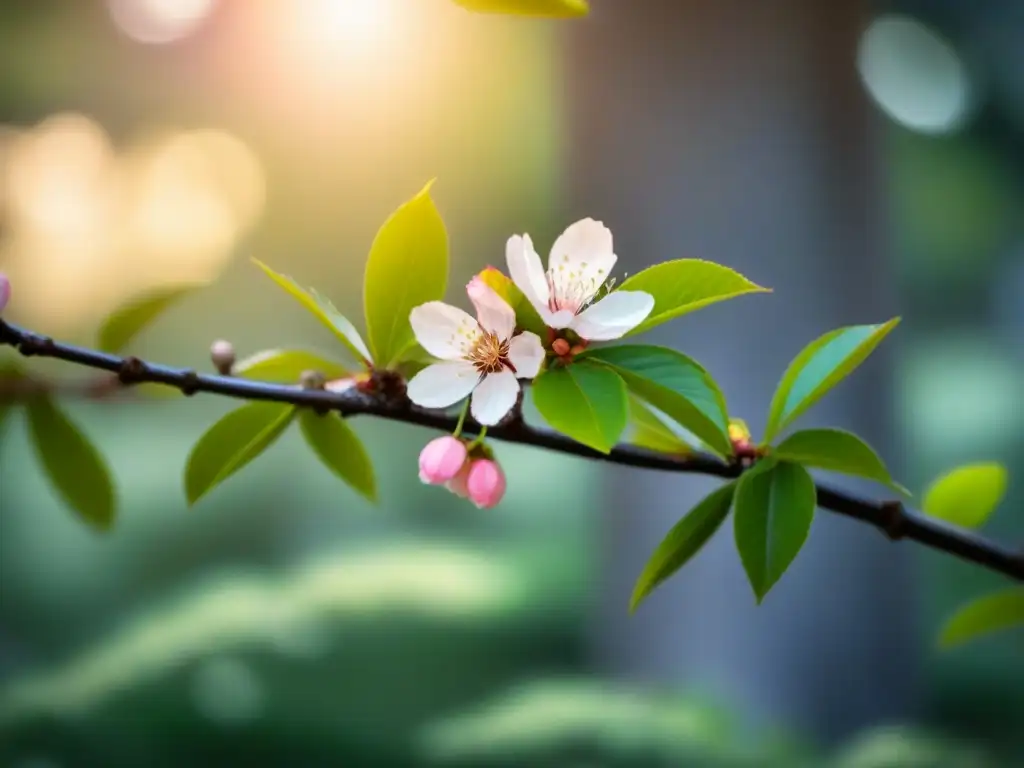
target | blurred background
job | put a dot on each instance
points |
(863, 159)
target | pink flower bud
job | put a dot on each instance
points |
(485, 483)
(5, 291)
(457, 484)
(441, 459)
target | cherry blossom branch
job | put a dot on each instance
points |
(388, 401)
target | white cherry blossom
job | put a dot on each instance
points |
(481, 357)
(579, 264)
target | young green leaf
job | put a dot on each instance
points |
(774, 509)
(683, 542)
(585, 401)
(992, 613)
(340, 450)
(287, 366)
(123, 325)
(322, 310)
(72, 462)
(233, 442)
(407, 266)
(550, 8)
(967, 495)
(838, 451)
(527, 318)
(674, 384)
(819, 367)
(685, 285)
(648, 430)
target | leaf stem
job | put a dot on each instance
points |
(462, 419)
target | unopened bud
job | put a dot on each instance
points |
(485, 483)
(560, 347)
(312, 380)
(577, 349)
(222, 353)
(442, 459)
(5, 291)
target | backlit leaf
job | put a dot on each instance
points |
(992, 613)
(123, 325)
(838, 451)
(340, 450)
(585, 401)
(774, 508)
(407, 266)
(819, 367)
(549, 8)
(72, 463)
(287, 366)
(683, 542)
(233, 442)
(967, 495)
(685, 285)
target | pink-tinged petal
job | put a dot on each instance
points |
(443, 330)
(5, 291)
(526, 353)
(485, 483)
(526, 270)
(613, 316)
(494, 397)
(581, 259)
(458, 485)
(492, 311)
(442, 384)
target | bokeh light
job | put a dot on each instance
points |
(914, 75)
(159, 21)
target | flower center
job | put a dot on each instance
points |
(489, 354)
(571, 290)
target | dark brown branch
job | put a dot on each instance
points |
(891, 518)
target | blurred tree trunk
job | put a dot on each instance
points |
(738, 132)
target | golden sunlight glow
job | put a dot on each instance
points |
(95, 226)
(159, 21)
(338, 26)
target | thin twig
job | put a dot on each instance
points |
(892, 518)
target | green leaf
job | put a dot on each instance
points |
(819, 367)
(992, 613)
(550, 8)
(287, 366)
(233, 442)
(648, 430)
(527, 318)
(123, 325)
(322, 310)
(685, 285)
(683, 542)
(585, 401)
(674, 384)
(774, 510)
(838, 451)
(967, 495)
(73, 464)
(340, 450)
(407, 266)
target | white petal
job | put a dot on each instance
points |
(340, 385)
(442, 384)
(494, 397)
(613, 316)
(581, 259)
(443, 330)
(526, 353)
(561, 319)
(526, 271)
(493, 312)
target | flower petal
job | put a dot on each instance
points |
(563, 318)
(442, 384)
(493, 312)
(526, 271)
(443, 330)
(581, 259)
(494, 397)
(613, 316)
(526, 353)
